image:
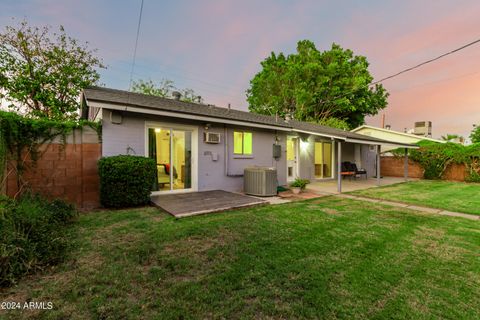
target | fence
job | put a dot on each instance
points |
(66, 170)
(393, 167)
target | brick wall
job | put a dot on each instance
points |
(393, 167)
(67, 171)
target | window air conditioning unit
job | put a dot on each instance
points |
(212, 137)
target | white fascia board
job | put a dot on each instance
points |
(395, 132)
(184, 116)
(386, 143)
(319, 134)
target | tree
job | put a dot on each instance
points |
(452, 137)
(475, 134)
(335, 123)
(311, 86)
(43, 73)
(164, 89)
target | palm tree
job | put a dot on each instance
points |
(453, 138)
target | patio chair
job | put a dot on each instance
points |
(347, 170)
(353, 167)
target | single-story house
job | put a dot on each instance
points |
(391, 135)
(202, 147)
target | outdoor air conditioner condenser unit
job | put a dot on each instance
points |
(260, 181)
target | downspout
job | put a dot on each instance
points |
(274, 161)
(225, 143)
(227, 155)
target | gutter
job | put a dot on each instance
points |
(176, 114)
(319, 134)
(390, 143)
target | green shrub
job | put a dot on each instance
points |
(300, 183)
(33, 233)
(126, 181)
(435, 157)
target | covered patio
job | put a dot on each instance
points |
(345, 180)
(348, 155)
(348, 185)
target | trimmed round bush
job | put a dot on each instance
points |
(126, 181)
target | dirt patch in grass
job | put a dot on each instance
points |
(113, 234)
(197, 245)
(331, 211)
(434, 242)
(92, 261)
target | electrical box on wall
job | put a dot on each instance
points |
(277, 151)
(116, 117)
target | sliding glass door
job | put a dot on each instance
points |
(323, 160)
(172, 151)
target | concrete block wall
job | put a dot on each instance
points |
(67, 171)
(394, 167)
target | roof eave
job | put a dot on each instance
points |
(177, 114)
(319, 134)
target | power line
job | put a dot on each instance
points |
(407, 70)
(427, 62)
(438, 81)
(197, 85)
(136, 45)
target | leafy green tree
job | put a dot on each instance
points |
(335, 123)
(311, 86)
(164, 89)
(475, 134)
(43, 73)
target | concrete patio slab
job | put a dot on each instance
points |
(304, 195)
(275, 200)
(194, 203)
(348, 185)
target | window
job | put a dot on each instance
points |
(323, 159)
(242, 143)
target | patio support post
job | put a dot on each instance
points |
(339, 167)
(405, 165)
(378, 164)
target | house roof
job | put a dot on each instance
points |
(137, 102)
(317, 128)
(396, 132)
(158, 103)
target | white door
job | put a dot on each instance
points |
(292, 158)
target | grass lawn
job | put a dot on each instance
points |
(324, 258)
(451, 196)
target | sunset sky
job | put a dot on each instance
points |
(215, 47)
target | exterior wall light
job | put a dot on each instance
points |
(303, 145)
